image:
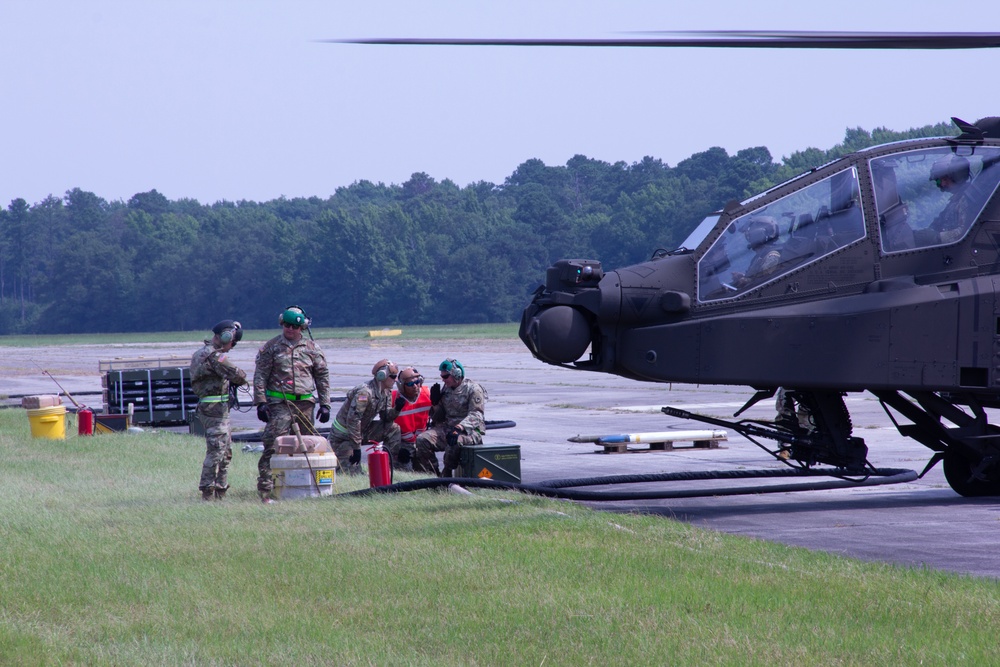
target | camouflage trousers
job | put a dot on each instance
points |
(793, 414)
(379, 431)
(435, 440)
(281, 417)
(218, 449)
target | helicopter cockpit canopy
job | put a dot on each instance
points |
(784, 235)
(931, 197)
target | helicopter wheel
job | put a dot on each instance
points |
(958, 472)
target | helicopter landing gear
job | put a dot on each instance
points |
(969, 479)
(970, 450)
(826, 440)
(830, 441)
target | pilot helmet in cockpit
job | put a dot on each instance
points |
(760, 230)
(954, 167)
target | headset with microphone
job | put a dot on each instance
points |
(295, 316)
(453, 367)
(228, 331)
(383, 369)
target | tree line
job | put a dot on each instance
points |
(422, 252)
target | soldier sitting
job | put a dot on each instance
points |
(458, 417)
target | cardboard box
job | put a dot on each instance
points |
(314, 444)
(38, 402)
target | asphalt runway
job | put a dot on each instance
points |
(922, 523)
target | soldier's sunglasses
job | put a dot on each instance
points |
(414, 383)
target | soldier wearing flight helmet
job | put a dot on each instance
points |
(761, 234)
(367, 414)
(951, 175)
(290, 377)
(212, 373)
(458, 416)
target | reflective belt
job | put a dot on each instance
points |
(340, 427)
(411, 437)
(214, 399)
(288, 397)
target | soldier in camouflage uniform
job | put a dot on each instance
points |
(212, 372)
(291, 375)
(951, 175)
(367, 415)
(458, 417)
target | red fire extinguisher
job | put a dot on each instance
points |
(85, 421)
(379, 470)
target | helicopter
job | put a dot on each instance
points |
(843, 279)
(878, 272)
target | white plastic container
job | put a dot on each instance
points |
(296, 477)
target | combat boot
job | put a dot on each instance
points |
(220, 494)
(207, 494)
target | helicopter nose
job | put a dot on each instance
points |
(563, 320)
(558, 334)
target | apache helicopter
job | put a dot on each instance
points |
(877, 272)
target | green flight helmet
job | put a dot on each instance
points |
(294, 316)
(453, 367)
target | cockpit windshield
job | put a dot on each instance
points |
(699, 233)
(784, 235)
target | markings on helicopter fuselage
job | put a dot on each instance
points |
(638, 303)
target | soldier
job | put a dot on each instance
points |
(458, 419)
(951, 175)
(414, 412)
(368, 414)
(212, 373)
(761, 234)
(291, 375)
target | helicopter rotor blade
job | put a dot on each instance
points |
(737, 39)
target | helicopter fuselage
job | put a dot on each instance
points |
(877, 272)
(857, 316)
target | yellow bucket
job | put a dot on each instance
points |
(48, 422)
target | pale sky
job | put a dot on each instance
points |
(226, 99)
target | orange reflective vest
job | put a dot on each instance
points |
(413, 417)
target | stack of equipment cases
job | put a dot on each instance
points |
(159, 390)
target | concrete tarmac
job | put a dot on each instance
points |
(915, 524)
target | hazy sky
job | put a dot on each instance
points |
(237, 100)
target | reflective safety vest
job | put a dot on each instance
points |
(414, 416)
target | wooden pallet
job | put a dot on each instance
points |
(630, 448)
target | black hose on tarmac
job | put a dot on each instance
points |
(558, 488)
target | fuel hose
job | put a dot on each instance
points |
(567, 489)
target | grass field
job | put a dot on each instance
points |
(109, 557)
(414, 332)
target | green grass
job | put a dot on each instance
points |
(109, 557)
(410, 332)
